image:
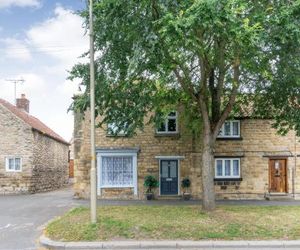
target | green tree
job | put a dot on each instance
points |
(212, 57)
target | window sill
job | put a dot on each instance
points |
(117, 187)
(117, 136)
(228, 179)
(229, 138)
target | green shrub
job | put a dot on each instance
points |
(186, 183)
(150, 182)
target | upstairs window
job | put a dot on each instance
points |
(169, 125)
(13, 164)
(227, 168)
(230, 129)
(112, 128)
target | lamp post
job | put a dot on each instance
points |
(93, 198)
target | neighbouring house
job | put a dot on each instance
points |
(251, 160)
(33, 158)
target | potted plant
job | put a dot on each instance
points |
(186, 183)
(150, 183)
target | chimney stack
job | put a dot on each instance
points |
(23, 103)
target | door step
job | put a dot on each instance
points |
(169, 197)
(279, 197)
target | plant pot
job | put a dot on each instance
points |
(149, 196)
(186, 196)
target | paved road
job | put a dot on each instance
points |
(22, 216)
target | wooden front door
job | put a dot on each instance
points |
(277, 176)
(169, 177)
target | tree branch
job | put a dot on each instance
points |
(229, 106)
(187, 88)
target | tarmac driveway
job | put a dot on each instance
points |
(22, 216)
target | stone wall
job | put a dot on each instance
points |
(50, 164)
(150, 145)
(259, 142)
(16, 140)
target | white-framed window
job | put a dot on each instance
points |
(169, 125)
(112, 128)
(117, 170)
(13, 164)
(230, 129)
(227, 168)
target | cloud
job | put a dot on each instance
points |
(69, 88)
(60, 37)
(19, 3)
(16, 49)
(55, 45)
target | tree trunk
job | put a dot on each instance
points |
(208, 189)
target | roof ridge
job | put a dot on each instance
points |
(32, 121)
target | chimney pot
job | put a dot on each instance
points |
(23, 103)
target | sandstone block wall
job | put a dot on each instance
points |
(150, 145)
(259, 142)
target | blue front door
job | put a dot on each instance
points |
(168, 177)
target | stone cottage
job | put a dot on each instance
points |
(33, 158)
(251, 160)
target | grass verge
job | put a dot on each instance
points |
(178, 222)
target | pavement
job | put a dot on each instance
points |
(22, 217)
(196, 202)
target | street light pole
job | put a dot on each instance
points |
(93, 198)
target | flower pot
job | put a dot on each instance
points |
(186, 196)
(149, 196)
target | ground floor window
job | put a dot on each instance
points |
(227, 168)
(13, 164)
(117, 169)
